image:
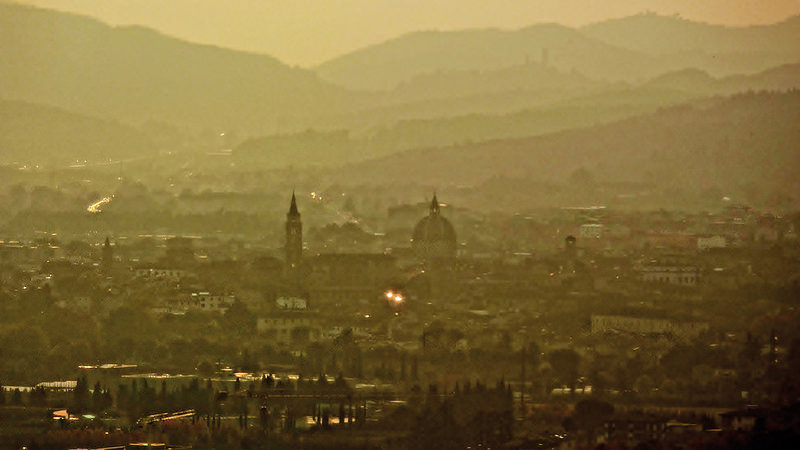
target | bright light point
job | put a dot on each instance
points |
(389, 294)
(96, 206)
(398, 298)
(366, 316)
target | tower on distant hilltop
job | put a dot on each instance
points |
(294, 236)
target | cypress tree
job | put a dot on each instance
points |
(16, 397)
(97, 392)
(81, 396)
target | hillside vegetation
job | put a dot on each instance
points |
(748, 139)
(34, 134)
(629, 49)
(134, 74)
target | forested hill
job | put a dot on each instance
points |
(36, 134)
(134, 74)
(386, 65)
(781, 78)
(631, 49)
(747, 139)
(664, 35)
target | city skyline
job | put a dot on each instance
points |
(202, 247)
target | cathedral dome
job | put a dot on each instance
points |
(434, 235)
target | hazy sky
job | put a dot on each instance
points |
(306, 32)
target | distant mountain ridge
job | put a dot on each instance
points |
(784, 77)
(657, 34)
(747, 139)
(135, 74)
(529, 76)
(629, 49)
(38, 134)
(469, 85)
(384, 66)
(577, 103)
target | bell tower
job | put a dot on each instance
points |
(294, 236)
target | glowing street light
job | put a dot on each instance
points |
(395, 299)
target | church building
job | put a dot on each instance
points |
(434, 237)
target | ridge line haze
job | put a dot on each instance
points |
(314, 33)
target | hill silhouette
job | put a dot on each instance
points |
(530, 77)
(134, 74)
(385, 66)
(37, 134)
(780, 78)
(629, 49)
(515, 113)
(749, 139)
(664, 35)
(335, 148)
(440, 88)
